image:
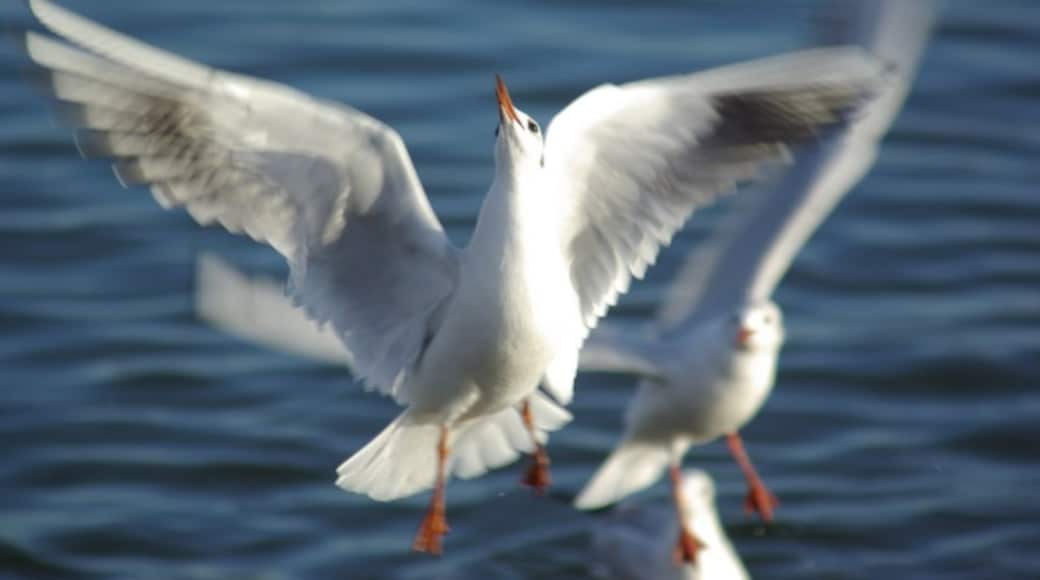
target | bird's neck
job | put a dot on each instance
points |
(516, 203)
(517, 174)
(516, 228)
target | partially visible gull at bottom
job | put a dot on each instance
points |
(637, 542)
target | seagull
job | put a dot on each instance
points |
(636, 543)
(479, 344)
(709, 361)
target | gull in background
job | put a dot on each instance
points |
(708, 362)
(637, 543)
(462, 337)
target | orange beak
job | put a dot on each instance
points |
(743, 335)
(505, 104)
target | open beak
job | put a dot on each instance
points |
(505, 104)
(744, 335)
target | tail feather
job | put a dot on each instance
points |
(499, 439)
(547, 414)
(631, 467)
(402, 459)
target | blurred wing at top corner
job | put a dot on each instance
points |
(758, 241)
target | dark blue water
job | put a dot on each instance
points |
(135, 442)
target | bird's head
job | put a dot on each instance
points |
(757, 327)
(518, 138)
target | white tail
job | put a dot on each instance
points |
(402, 460)
(631, 467)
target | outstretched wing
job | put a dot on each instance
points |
(632, 162)
(330, 188)
(758, 241)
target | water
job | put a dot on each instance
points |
(138, 443)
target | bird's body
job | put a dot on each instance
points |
(497, 336)
(493, 338)
(709, 389)
(479, 344)
(707, 385)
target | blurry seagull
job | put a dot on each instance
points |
(636, 543)
(709, 361)
(462, 337)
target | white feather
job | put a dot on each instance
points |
(476, 447)
(632, 466)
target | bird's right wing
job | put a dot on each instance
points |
(760, 238)
(330, 188)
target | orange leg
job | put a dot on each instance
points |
(435, 524)
(759, 498)
(688, 544)
(537, 475)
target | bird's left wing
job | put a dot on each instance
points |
(631, 162)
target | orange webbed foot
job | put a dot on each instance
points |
(537, 475)
(686, 548)
(432, 529)
(760, 500)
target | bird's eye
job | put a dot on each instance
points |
(496, 131)
(532, 126)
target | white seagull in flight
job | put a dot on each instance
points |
(709, 362)
(462, 337)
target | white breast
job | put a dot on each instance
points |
(498, 335)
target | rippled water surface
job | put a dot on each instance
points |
(138, 443)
